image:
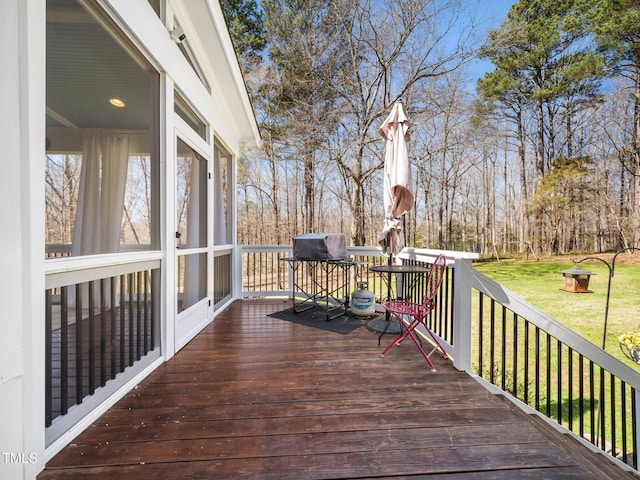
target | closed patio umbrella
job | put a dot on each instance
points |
(398, 193)
(398, 199)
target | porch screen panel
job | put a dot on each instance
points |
(222, 169)
(191, 221)
(101, 136)
(102, 174)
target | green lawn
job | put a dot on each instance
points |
(540, 284)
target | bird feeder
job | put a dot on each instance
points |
(576, 280)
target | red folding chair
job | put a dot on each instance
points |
(418, 312)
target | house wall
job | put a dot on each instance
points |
(22, 135)
(22, 28)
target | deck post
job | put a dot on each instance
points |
(237, 272)
(462, 314)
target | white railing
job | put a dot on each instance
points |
(265, 273)
(548, 368)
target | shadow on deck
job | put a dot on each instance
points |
(260, 398)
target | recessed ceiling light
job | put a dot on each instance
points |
(116, 102)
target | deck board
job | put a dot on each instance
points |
(256, 397)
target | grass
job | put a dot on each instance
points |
(540, 283)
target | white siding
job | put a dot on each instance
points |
(22, 29)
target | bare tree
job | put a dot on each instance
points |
(62, 176)
(395, 49)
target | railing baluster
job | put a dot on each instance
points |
(255, 270)
(251, 266)
(612, 388)
(268, 262)
(559, 380)
(480, 333)
(526, 362)
(570, 382)
(581, 392)
(139, 316)
(503, 346)
(492, 344)
(112, 326)
(515, 343)
(280, 278)
(64, 350)
(131, 319)
(537, 373)
(592, 412)
(635, 398)
(79, 346)
(275, 271)
(145, 303)
(92, 340)
(548, 374)
(261, 269)
(103, 331)
(154, 283)
(602, 410)
(48, 363)
(623, 420)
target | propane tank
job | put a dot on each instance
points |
(362, 302)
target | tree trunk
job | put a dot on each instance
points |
(358, 231)
(636, 156)
(539, 219)
(524, 219)
(309, 207)
(276, 200)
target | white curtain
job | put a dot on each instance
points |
(115, 161)
(103, 177)
(85, 234)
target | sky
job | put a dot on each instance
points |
(497, 9)
(492, 14)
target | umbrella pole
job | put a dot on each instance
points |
(386, 324)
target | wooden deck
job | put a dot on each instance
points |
(260, 398)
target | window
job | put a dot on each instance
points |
(187, 52)
(186, 113)
(155, 4)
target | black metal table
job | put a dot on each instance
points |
(321, 283)
(409, 276)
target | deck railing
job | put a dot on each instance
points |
(266, 273)
(552, 370)
(508, 344)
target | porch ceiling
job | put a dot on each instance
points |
(85, 68)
